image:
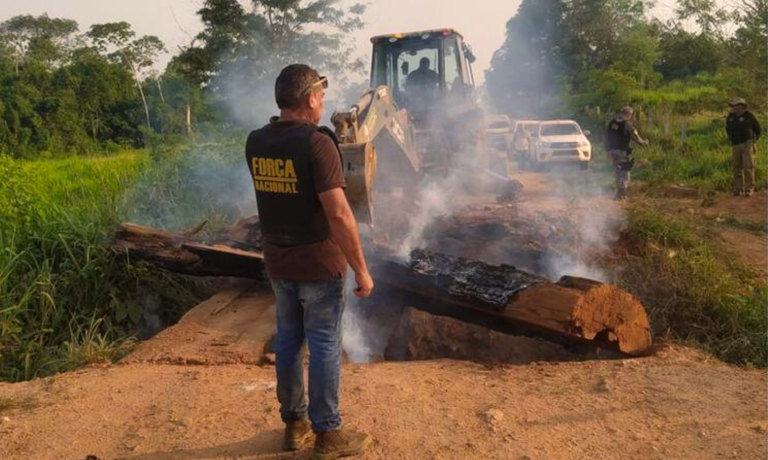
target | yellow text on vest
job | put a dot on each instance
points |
(274, 175)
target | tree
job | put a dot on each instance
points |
(749, 50)
(522, 79)
(59, 95)
(104, 92)
(684, 54)
(43, 38)
(593, 31)
(744, 52)
(239, 51)
(117, 39)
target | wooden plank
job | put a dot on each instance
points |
(180, 254)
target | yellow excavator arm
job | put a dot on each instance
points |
(374, 125)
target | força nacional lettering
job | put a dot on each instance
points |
(274, 175)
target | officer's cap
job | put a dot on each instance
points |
(738, 101)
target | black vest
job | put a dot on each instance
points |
(618, 135)
(290, 211)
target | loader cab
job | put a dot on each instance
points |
(425, 71)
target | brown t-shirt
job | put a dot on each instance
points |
(292, 163)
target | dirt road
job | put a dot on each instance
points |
(202, 390)
(676, 405)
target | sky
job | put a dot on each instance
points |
(481, 22)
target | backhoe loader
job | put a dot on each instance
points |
(420, 118)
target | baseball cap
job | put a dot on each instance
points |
(737, 101)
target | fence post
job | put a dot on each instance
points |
(683, 133)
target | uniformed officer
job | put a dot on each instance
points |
(310, 236)
(743, 132)
(617, 139)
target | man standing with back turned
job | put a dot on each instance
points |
(309, 236)
(743, 131)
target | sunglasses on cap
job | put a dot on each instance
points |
(322, 81)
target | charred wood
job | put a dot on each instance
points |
(510, 300)
(180, 254)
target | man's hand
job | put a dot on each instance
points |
(344, 232)
(364, 284)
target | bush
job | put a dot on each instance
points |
(693, 292)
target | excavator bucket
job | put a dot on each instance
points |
(359, 162)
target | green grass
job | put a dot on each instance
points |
(66, 298)
(704, 162)
(694, 291)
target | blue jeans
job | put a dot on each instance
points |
(311, 311)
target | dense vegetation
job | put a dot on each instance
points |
(78, 108)
(65, 92)
(562, 56)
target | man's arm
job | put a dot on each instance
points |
(636, 137)
(344, 232)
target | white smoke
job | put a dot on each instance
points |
(434, 199)
(591, 222)
(363, 338)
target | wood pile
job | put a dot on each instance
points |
(499, 297)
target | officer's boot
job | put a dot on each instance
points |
(330, 445)
(297, 432)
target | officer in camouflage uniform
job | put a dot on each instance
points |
(743, 132)
(617, 139)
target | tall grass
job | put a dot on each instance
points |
(66, 297)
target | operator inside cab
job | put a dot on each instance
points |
(421, 86)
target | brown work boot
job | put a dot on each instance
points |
(334, 444)
(296, 434)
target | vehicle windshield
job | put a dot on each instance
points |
(498, 125)
(560, 129)
(417, 69)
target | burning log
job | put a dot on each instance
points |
(498, 297)
(181, 254)
(513, 301)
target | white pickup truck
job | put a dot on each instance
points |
(562, 141)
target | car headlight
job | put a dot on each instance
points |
(545, 144)
(583, 143)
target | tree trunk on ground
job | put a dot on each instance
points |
(503, 298)
(513, 301)
(421, 335)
